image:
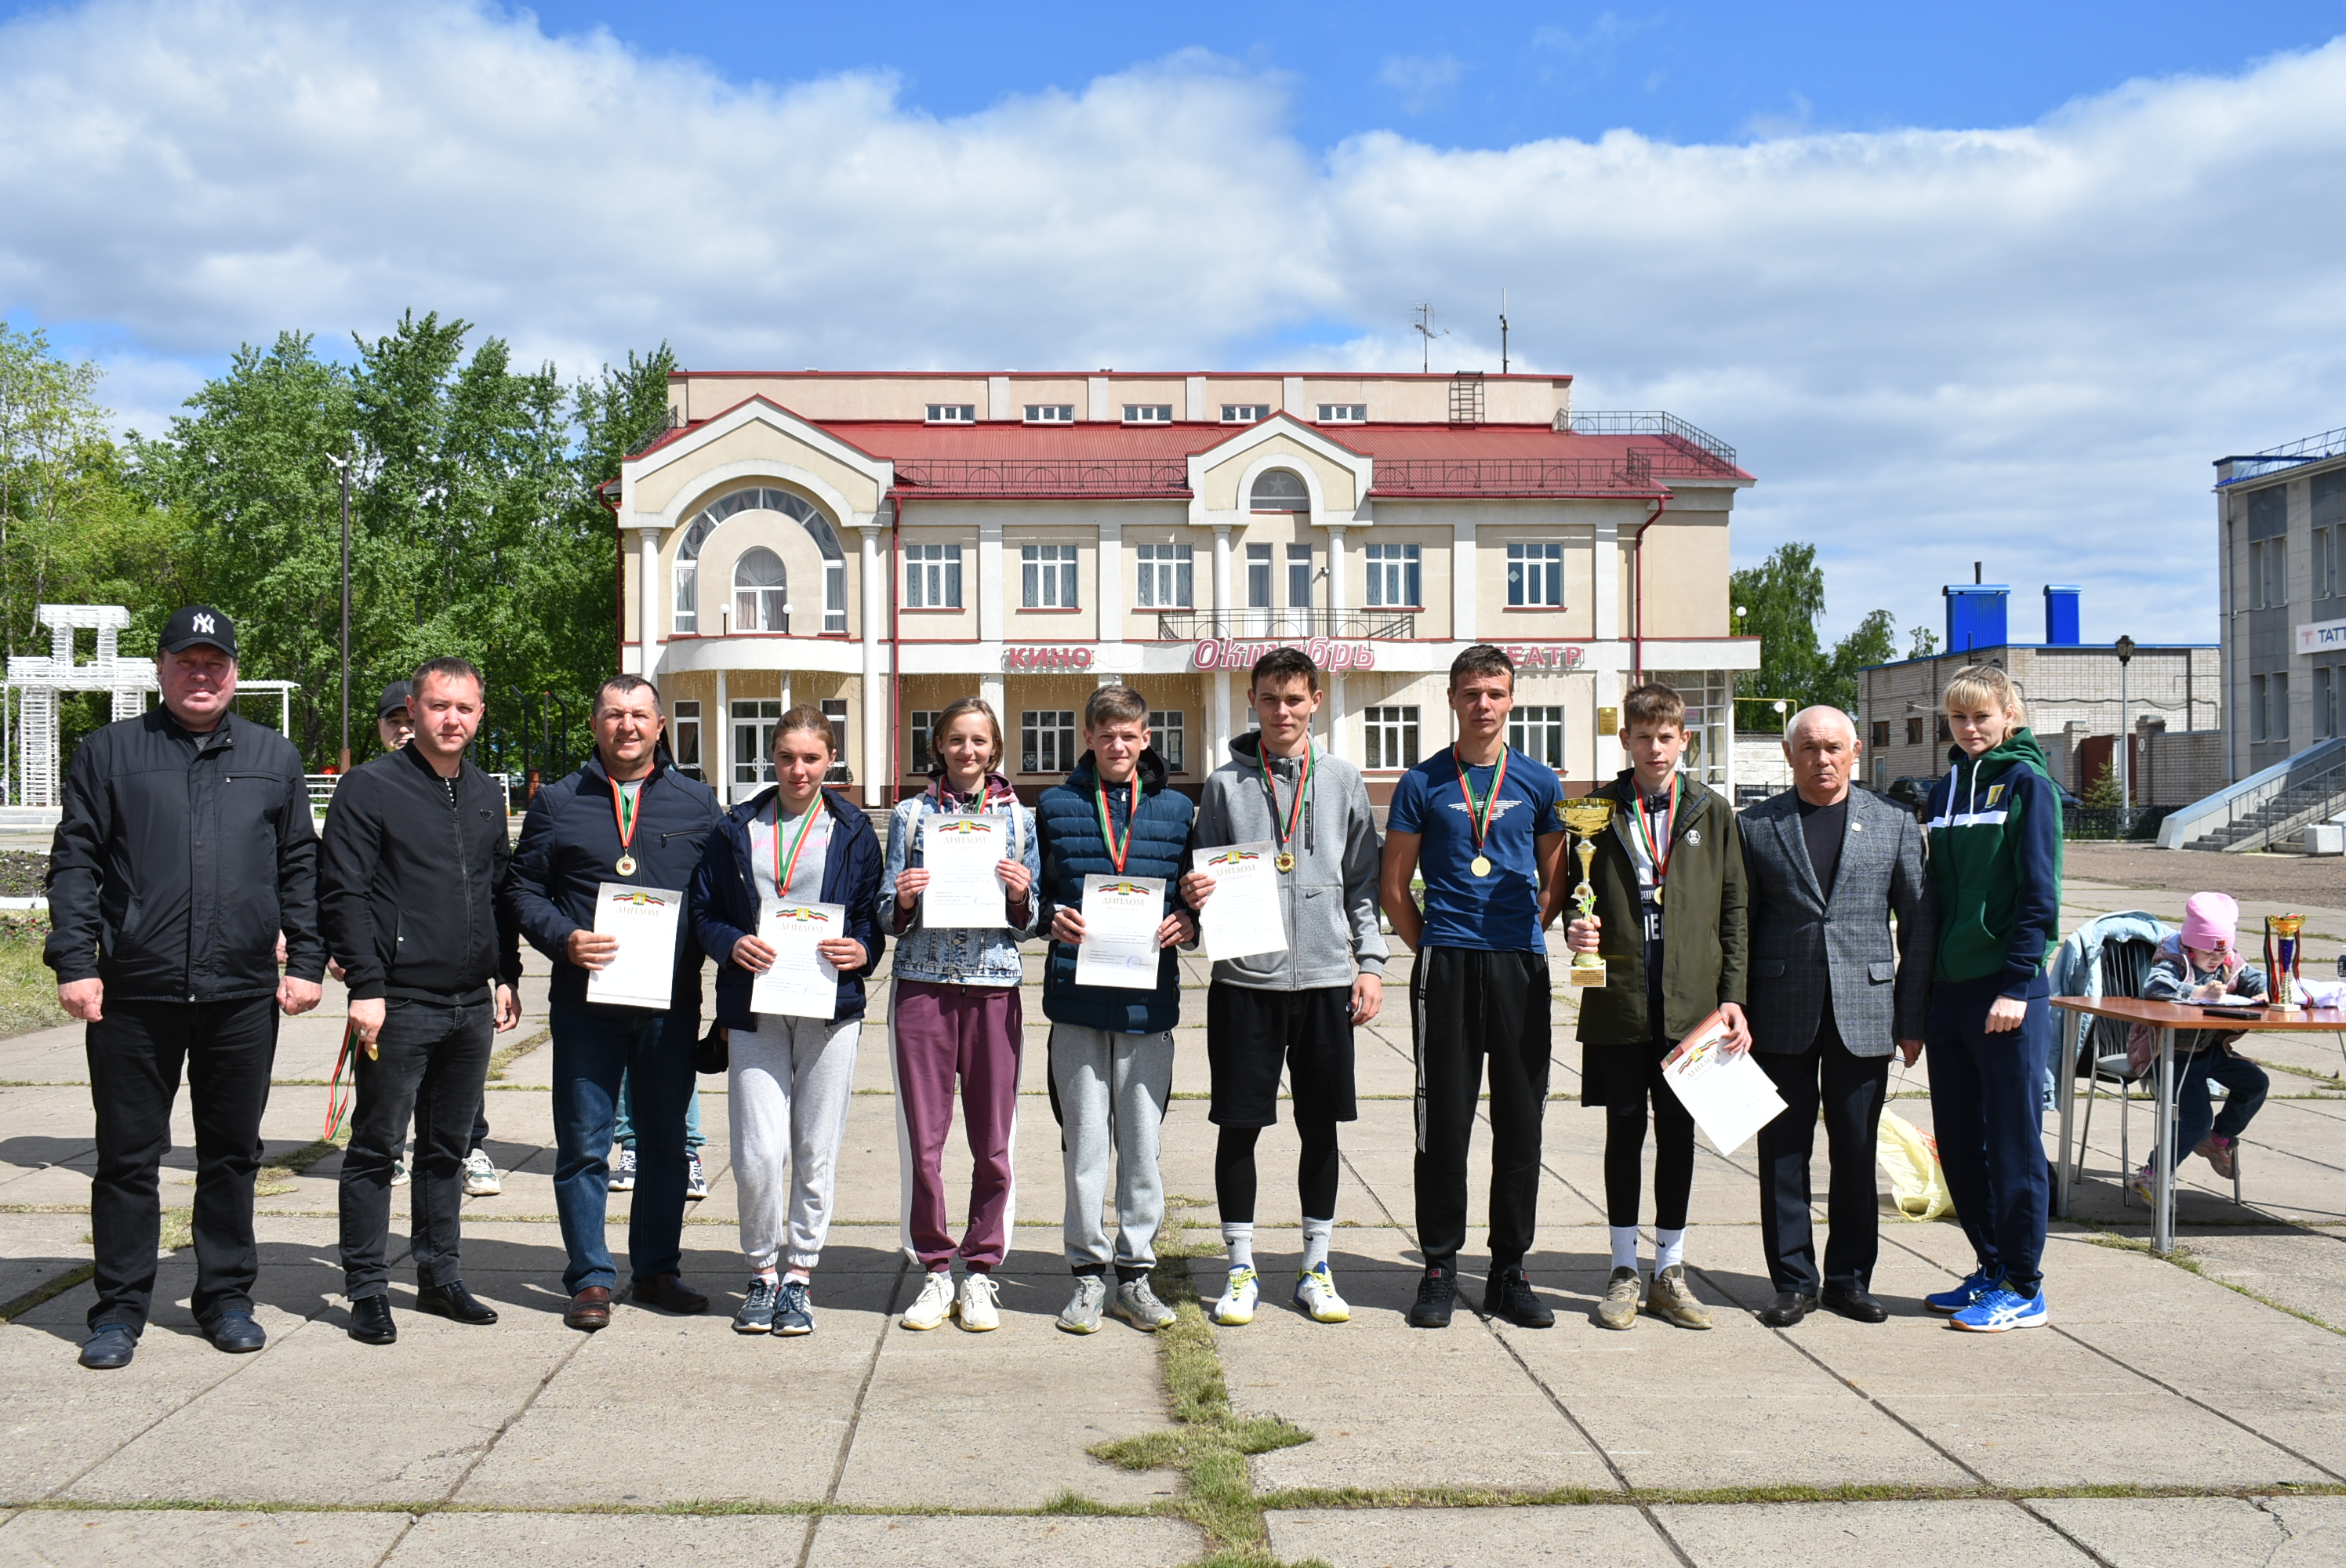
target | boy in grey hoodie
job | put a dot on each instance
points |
(1295, 1009)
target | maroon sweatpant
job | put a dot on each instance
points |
(942, 1033)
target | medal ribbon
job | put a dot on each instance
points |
(1115, 851)
(624, 813)
(1478, 817)
(1295, 810)
(1660, 859)
(781, 876)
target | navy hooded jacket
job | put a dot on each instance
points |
(724, 901)
(1067, 832)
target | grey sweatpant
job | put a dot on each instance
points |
(1112, 1092)
(790, 1082)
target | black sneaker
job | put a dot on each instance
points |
(1437, 1298)
(1509, 1294)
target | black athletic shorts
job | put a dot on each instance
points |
(1251, 1035)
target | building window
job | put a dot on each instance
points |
(1943, 734)
(1279, 489)
(684, 738)
(1535, 575)
(754, 720)
(760, 594)
(1257, 576)
(2269, 574)
(1050, 414)
(835, 709)
(1914, 730)
(1046, 740)
(2325, 702)
(760, 499)
(917, 725)
(953, 413)
(2326, 544)
(1245, 412)
(1149, 413)
(1344, 412)
(1047, 577)
(1538, 734)
(2260, 708)
(1166, 577)
(1882, 733)
(1169, 735)
(932, 576)
(1393, 581)
(1392, 735)
(2278, 685)
(1298, 576)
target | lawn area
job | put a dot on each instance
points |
(28, 992)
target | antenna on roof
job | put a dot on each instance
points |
(1502, 331)
(1424, 326)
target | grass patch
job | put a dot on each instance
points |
(276, 1177)
(515, 1052)
(28, 989)
(49, 1292)
(2183, 1258)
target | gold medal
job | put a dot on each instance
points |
(1286, 862)
(1480, 865)
(626, 866)
(1657, 895)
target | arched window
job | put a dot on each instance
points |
(760, 498)
(761, 597)
(1279, 489)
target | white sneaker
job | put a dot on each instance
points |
(1238, 1297)
(933, 1305)
(1315, 1292)
(979, 1308)
(481, 1178)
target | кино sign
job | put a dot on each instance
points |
(1049, 655)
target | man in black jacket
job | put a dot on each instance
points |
(412, 885)
(623, 821)
(184, 850)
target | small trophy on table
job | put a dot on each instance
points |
(1585, 818)
(2285, 991)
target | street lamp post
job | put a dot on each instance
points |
(2125, 647)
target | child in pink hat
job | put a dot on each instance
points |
(2202, 967)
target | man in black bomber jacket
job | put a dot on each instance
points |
(411, 884)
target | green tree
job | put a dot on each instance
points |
(1782, 600)
(1925, 643)
(2103, 791)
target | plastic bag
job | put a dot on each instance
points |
(1917, 1186)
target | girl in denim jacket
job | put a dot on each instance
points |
(954, 1013)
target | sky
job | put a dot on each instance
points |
(1990, 285)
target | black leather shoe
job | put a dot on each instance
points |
(235, 1333)
(1437, 1298)
(454, 1302)
(669, 1292)
(108, 1348)
(1788, 1307)
(370, 1322)
(1508, 1294)
(1854, 1304)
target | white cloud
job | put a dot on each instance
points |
(1423, 81)
(2017, 345)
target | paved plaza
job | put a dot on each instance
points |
(2191, 1411)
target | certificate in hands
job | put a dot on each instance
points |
(802, 983)
(1243, 917)
(964, 892)
(642, 974)
(1730, 1096)
(1121, 916)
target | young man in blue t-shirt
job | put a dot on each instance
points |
(1479, 822)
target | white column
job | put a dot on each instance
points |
(1463, 627)
(721, 777)
(991, 608)
(878, 737)
(1336, 607)
(1109, 587)
(648, 601)
(990, 686)
(1222, 576)
(1221, 717)
(1605, 594)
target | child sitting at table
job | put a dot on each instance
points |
(2202, 967)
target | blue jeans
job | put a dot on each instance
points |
(624, 1132)
(1987, 1111)
(594, 1049)
(2195, 1111)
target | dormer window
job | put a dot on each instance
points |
(1245, 412)
(1050, 414)
(1149, 413)
(1343, 413)
(953, 413)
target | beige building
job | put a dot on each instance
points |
(882, 542)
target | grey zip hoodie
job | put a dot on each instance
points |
(1331, 898)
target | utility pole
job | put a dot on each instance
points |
(2125, 647)
(1502, 331)
(343, 464)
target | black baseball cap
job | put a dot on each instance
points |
(199, 623)
(394, 697)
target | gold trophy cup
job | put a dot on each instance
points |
(2284, 986)
(1584, 819)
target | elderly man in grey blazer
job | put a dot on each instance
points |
(1828, 866)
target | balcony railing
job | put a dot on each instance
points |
(1285, 625)
(1652, 421)
(1045, 476)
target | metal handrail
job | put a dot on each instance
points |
(1366, 626)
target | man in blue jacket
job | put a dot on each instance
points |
(1112, 1048)
(620, 818)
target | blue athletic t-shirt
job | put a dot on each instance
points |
(1499, 912)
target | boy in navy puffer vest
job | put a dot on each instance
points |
(1112, 1048)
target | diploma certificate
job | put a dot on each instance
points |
(642, 972)
(802, 983)
(1243, 918)
(964, 892)
(1121, 916)
(1731, 1097)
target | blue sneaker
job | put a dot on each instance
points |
(1968, 1294)
(2000, 1308)
(794, 1312)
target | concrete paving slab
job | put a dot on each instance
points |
(1725, 1438)
(2150, 1438)
(36, 1248)
(2303, 1269)
(57, 1421)
(848, 1541)
(1466, 1537)
(598, 1540)
(182, 1539)
(1859, 1535)
(2219, 1532)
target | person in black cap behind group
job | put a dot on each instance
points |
(184, 850)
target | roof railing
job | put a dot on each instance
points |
(1650, 422)
(1045, 476)
(2291, 455)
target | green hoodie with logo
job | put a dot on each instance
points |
(1995, 827)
